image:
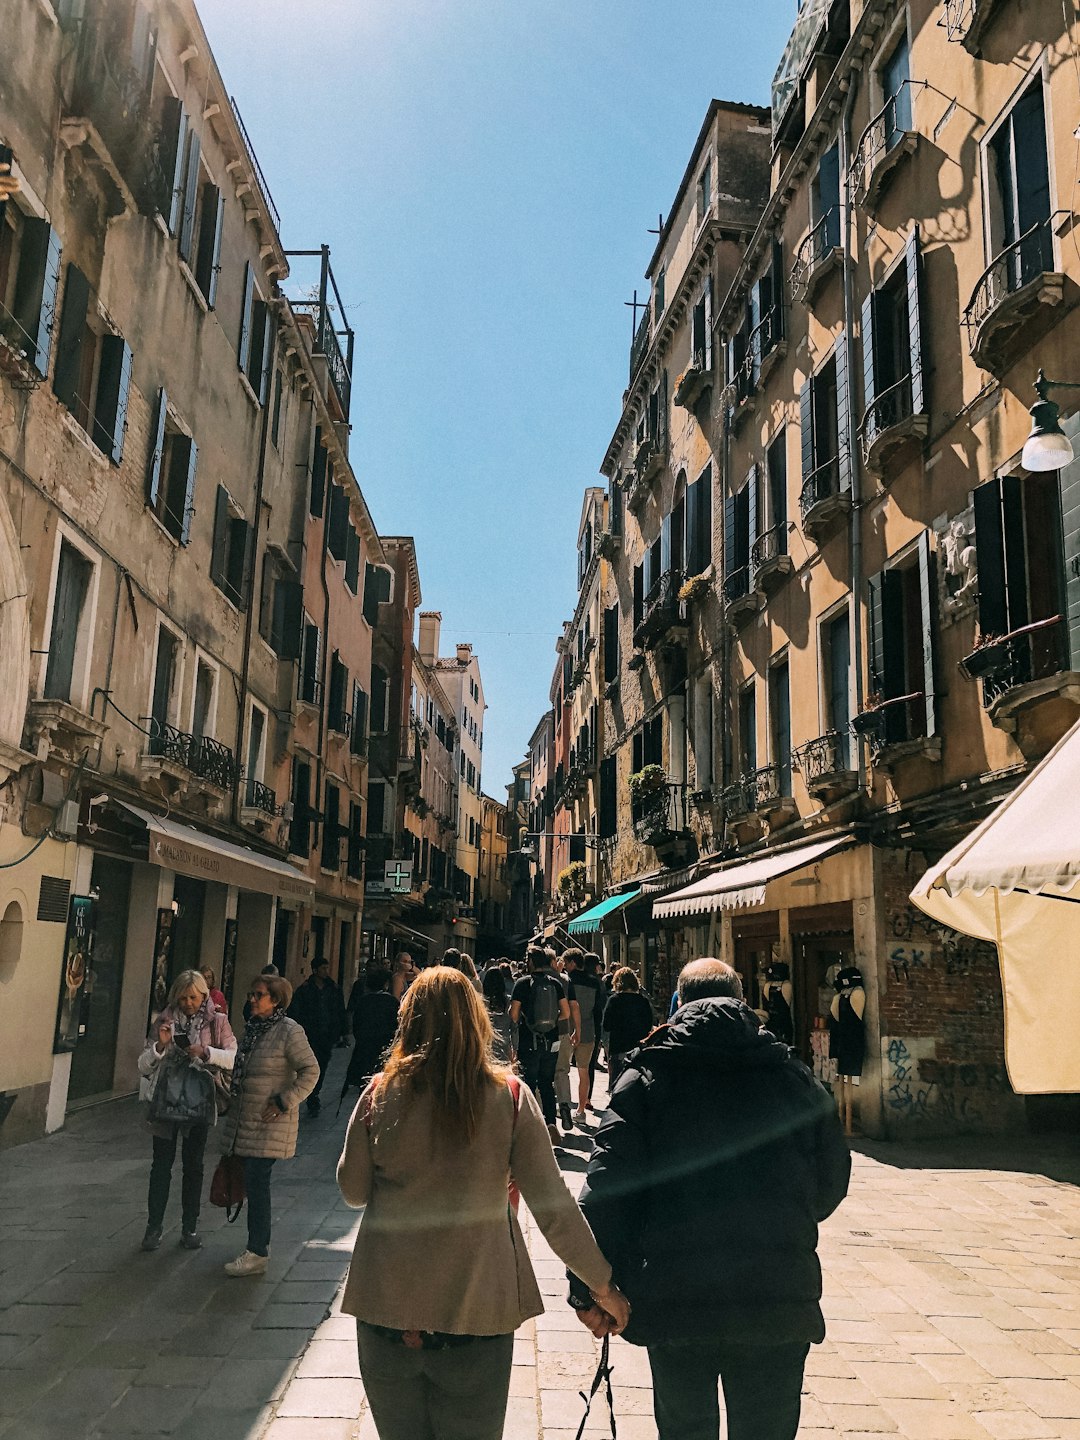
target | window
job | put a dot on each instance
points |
(310, 678)
(699, 523)
(780, 725)
(378, 590)
(893, 383)
(656, 414)
(206, 228)
(256, 756)
(93, 369)
(701, 353)
(281, 607)
(255, 349)
(380, 700)
(900, 631)
(823, 416)
(740, 534)
(704, 190)
(703, 731)
(825, 201)
(611, 644)
(30, 258)
(1018, 181)
(319, 464)
(765, 313)
(230, 559)
(359, 727)
(303, 816)
(170, 476)
(894, 76)
(330, 858)
(748, 729)
(659, 301)
(166, 667)
(648, 743)
(337, 709)
(337, 539)
(204, 701)
(376, 798)
(279, 400)
(835, 648)
(776, 496)
(354, 863)
(69, 635)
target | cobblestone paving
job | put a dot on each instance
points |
(952, 1296)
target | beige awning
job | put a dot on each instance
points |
(744, 884)
(1015, 881)
(192, 852)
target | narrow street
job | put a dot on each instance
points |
(952, 1280)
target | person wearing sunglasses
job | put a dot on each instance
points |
(274, 1071)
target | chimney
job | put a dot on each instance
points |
(430, 625)
(464, 654)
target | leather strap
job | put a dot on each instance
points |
(602, 1377)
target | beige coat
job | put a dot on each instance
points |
(438, 1247)
(282, 1064)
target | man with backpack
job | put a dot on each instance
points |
(537, 1006)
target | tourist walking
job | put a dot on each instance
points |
(628, 1018)
(587, 997)
(319, 1007)
(220, 1003)
(505, 1041)
(438, 1289)
(537, 1007)
(719, 1155)
(189, 1031)
(373, 1016)
(275, 1069)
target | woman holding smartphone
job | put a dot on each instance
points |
(192, 1025)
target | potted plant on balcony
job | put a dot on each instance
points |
(869, 719)
(647, 781)
(695, 588)
(989, 654)
(571, 882)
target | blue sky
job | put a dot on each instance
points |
(485, 173)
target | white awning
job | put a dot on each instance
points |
(192, 852)
(1015, 881)
(744, 884)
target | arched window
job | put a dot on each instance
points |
(11, 935)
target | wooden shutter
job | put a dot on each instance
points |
(359, 718)
(300, 829)
(708, 326)
(175, 127)
(114, 385)
(806, 423)
(288, 618)
(875, 635)
(843, 413)
(893, 646)
(208, 263)
(1016, 567)
(990, 547)
(36, 286)
(318, 476)
(243, 594)
(338, 538)
(665, 546)
(243, 349)
(189, 488)
(190, 197)
(263, 337)
(693, 528)
(219, 550)
(730, 527)
(352, 560)
(661, 434)
(268, 601)
(913, 263)
(72, 331)
(869, 383)
(780, 321)
(1069, 483)
(376, 591)
(639, 594)
(380, 720)
(927, 608)
(157, 451)
(752, 500)
(639, 751)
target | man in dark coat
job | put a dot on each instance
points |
(319, 1007)
(373, 1015)
(719, 1156)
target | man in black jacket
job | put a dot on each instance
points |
(318, 1006)
(718, 1157)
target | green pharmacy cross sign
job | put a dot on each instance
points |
(398, 876)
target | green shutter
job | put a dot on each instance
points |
(914, 307)
(189, 490)
(869, 390)
(208, 254)
(352, 561)
(875, 636)
(1069, 482)
(843, 413)
(928, 608)
(338, 538)
(114, 384)
(806, 421)
(36, 286)
(317, 499)
(72, 330)
(243, 349)
(990, 548)
(153, 469)
(190, 197)
(753, 521)
(221, 538)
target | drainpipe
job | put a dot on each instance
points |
(323, 694)
(853, 427)
(725, 631)
(249, 618)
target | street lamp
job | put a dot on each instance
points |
(1047, 447)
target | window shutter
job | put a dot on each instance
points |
(730, 526)
(639, 594)
(665, 547)
(288, 618)
(779, 326)
(243, 596)
(926, 601)
(318, 476)
(153, 472)
(990, 547)
(752, 507)
(338, 539)
(875, 642)
(300, 829)
(806, 424)
(843, 413)
(708, 326)
(693, 528)
(268, 627)
(352, 560)
(359, 718)
(36, 286)
(915, 344)
(376, 591)
(1069, 482)
(264, 339)
(1014, 528)
(221, 538)
(208, 255)
(114, 384)
(191, 194)
(189, 489)
(176, 128)
(72, 330)
(243, 351)
(661, 434)
(869, 390)
(379, 697)
(893, 646)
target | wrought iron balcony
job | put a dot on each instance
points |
(696, 379)
(662, 817)
(825, 763)
(329, 336)
(821, 501)
(884, 143)
(739, 799)
(258, 796)
(1030, 654)
(888, 725)
(256, 168)
(739, 597)
(1018, 287)
(662, 611)
(639, 346)
(206, 759)
(817, 256)
(890, 424)
(966, 22)
(769, 560)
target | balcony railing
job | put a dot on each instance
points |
(821, 759)
(205, 758)
(322, 307)
(639, 346)
(890, 423)
(815, 251)
(769, 549)
(965, 21)
(1032, 652)
(258, 796)
(737, 585)
(256, 168)
(1012, 270)
(895, 721)
(663, 815)
(820, 487)
(887, 134)
(661, 612)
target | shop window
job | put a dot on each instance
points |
(69, 637)
(92, 376)
(230, 560)
(170, 476)
(900, 629)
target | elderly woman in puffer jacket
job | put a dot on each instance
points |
(275, 1071)
(190, 1025)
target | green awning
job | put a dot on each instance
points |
(589, 920)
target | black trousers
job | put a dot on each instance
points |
(538, 1072)
(323, 1052)
(257, 1170)
(191, 1159)
(762, 1390)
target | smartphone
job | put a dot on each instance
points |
(184, 1041)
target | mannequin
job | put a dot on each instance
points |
(777, 995)
(848, 1036)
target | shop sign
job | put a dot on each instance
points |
(76, 976)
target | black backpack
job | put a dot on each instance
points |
(541, 1015)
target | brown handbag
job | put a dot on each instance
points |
(227, 1186)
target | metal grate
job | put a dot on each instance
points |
(53, 899)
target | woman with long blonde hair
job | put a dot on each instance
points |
(440, 1276)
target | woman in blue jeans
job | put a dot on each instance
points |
(275, 1070)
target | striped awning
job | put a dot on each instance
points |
(588, 922)
(744, 883)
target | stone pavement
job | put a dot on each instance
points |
(952, 1294)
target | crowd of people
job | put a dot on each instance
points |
(716, 1158)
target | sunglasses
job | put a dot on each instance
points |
(257, 994)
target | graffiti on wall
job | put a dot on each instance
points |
(919, 1087)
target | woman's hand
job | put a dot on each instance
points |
(164, 1036)
(199, 1052)
(616, 1310)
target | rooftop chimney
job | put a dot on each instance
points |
(430, 626)
(464, 654)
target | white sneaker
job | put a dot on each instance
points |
(247, 1264)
